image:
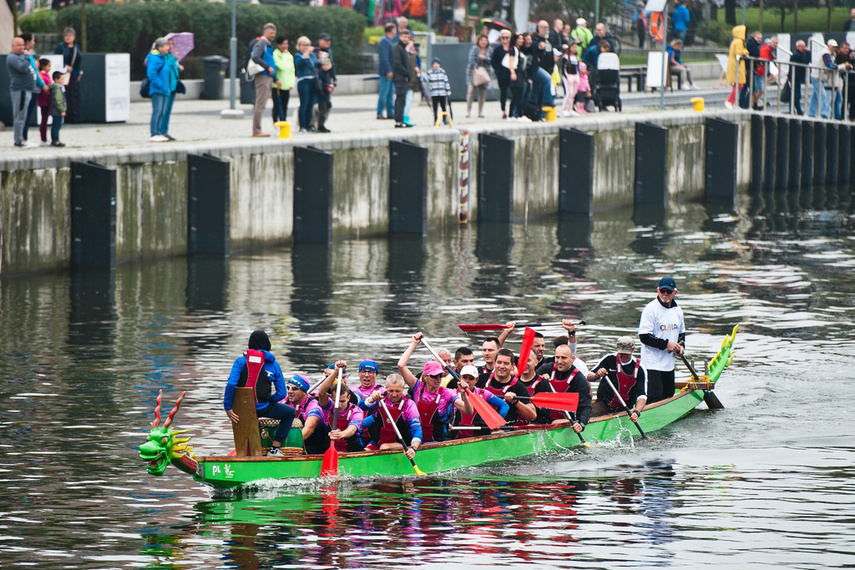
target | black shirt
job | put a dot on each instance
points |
(516, 388)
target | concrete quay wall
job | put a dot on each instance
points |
(151, 201)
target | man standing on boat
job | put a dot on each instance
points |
(404, 414)
(508, 387)
(662, 332)
(627, 376)
(565, 376)
(434, 402)
(258, 369)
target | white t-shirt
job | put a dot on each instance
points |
(664, 323)
(580, 366)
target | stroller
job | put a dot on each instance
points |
(608, 81)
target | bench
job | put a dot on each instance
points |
(637, 72)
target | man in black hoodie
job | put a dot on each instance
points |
(401, 74)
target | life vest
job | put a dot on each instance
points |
(319, 441)
(386, 431)
(253, 376)
(657, 29)
(500, 392)
(465, 420)
(625, 383)
(352, 443)
(433, 428)
(561, 386)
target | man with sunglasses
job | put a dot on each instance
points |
(434, 402)
(311, 413)
(662, 332)
(368, 370)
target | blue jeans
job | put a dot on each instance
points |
(542, 89)
(384, 99)
(20, 103)
(158, 106)
(31, 111)
(819, 96)
(167, 113)
(838, 102)
(55, 127)
(306, 89)
(285, 415)
(680, 35)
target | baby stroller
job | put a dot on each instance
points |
(608, 81)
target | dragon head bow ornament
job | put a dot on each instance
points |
(163, 447)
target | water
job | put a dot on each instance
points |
(767, 482)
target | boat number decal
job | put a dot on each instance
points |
(228, 472)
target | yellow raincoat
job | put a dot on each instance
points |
(737, 48)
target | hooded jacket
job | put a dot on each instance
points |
(737, 49)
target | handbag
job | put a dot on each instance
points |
(786, 93)
(144, 89)
(180, 88)
(590, 107)
(480, 76)
(319, 85)
(252, 69)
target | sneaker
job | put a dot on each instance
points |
(303, 131)
(686, 87)
(400, 125)
(695, 87)
(57, 143)
(158, 138)
(169, 137)
(324, 130)
(45, 143)
(728, 104)
(274, 452)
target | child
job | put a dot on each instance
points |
(44, 98)
(58, 105)
(324, 103)
(438, 88)
(584, 93)
(570, 72)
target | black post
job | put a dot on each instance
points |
(208, 199)
(832, 148)
(651, 165)
(795, 158)
(722, 156)
(807, 153)
(820, 139)
(576, 173)
(845, 164)
(782, 172)
(495, 178)
(408, 183)
(756, 152)
(770, 151)
(93, 215)
(313, 190)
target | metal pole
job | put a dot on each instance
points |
(664, 56)
(233, 58)
(596, 13)
(743, 12)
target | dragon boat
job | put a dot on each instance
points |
(165, 446)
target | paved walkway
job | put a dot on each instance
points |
(200, 120)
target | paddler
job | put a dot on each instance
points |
(627, 376)
(662, 332)
(346, 428)
(258, 369)
(403, 411)
(504, 385)
(368, 370)
(469, 376)
(309, 411)
(564, 376)
(489, 347)
(434, 402)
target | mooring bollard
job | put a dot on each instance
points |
(284, 129)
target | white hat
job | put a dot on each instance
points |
(580, 21)
(832, 43)
(469, 370)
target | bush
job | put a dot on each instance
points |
(132, 28)
(43, 22)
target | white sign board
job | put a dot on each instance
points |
(117, 87)
(655, 6)
(656, 66)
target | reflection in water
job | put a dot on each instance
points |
(92, 318)
(405, 275)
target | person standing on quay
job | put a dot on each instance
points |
(306, 64)
(401, 74)
(285, 79)
(262, 54)
(160, 87)
(21, 83)
(71, 56)
(662, 332)
(384, 70)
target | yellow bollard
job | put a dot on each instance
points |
(698, 103)
(550, 114)
(284, 129)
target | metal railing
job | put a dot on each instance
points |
(840, 85)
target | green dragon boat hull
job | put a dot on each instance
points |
(226, 471)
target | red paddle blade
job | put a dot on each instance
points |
(525, 349)
(329, 466)
(480, 328)
(567, 401)
(490, 416)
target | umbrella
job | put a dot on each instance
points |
(183, 43)
(496, 24)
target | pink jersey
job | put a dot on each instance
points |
(363, 393)
(352, 414)
(444, 398)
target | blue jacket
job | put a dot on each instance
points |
(306, 66)
(384, 50)
(172, 65)
(37, 75)
(681, 18)
(262, 54)
(274, 373)
(157, 71)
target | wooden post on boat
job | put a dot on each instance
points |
(247, 438)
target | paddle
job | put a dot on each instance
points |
(490, 416)
(329, 466)
(498, 327)
(567, 401)
(710, 398)
(625, 407)
(691, 368)
(567, 415)
(398, 435)
(525, 349)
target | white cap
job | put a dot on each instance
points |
(469, 370)
(832, 43)
(580, 21)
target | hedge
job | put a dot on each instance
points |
(132, 28)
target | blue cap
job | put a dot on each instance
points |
(331, 366)
(369, 365)
(667, 283)
(299, 382)
(435, 60)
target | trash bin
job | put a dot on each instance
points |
(214, 72)
(247, 90)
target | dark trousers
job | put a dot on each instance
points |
(306, 89)
(517, 100)
(31, 111)
(55, 127)
(323, 113)
(660, 385)
(285, 415)
(280, 104)
(797, 94)
(43, 123)
(72, 100)
(504, 85)
(439, 102)
(400, 100)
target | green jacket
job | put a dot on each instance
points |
(285, 73)
(57, 98)
(583, 35)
